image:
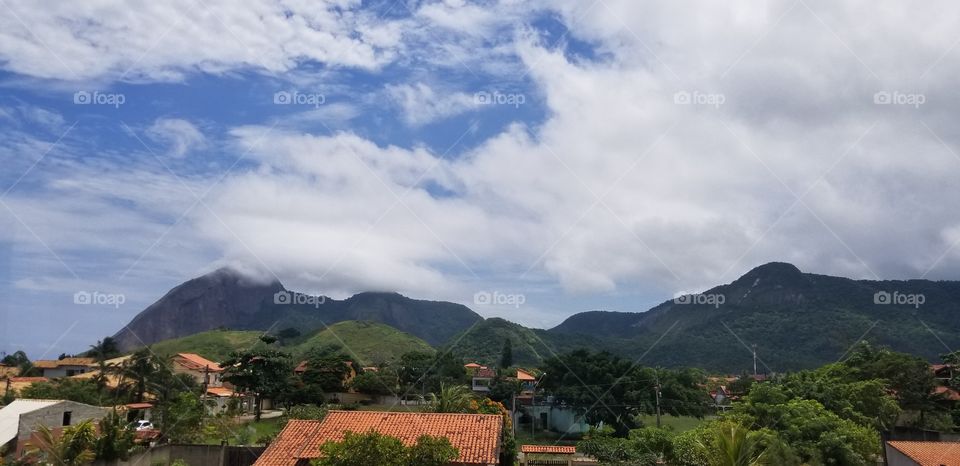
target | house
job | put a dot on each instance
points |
(542, 455)
(910, 453)
(206, 372)
(942, 372)
(482, 378)
(527, 381)
(475, 436)
(20, 419)
(946, 393)
(472, 367)
(66, 367)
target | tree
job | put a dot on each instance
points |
(263, 372)
(104, 349)
(431, 451)
(451, 399)
(736, 446)
(506, 355)
(142, 367)
(181, 420)
(363, 450)
(115, 440)
(73, 447)
(373, 448)
(374, 383)
(80, 390)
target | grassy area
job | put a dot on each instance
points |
(215, 345)
(678, 423)
(248, 433)
(369, 342)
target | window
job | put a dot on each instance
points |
(66, 417)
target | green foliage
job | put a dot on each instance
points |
(737, 446)
(263, 372)
(80, 390)
(73, 447)
(426, 372)
(375, 383)
(371, 343)
(431, 451)
(451, 399)
(181, 419)
(312, 412)
(815, 433)
(104, 349)
(372, 448)
(215, 344)
(115, 440)
(615, 391)
(506, 354)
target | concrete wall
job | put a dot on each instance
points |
(52, 417)
(895, 458)
(559, 419)
(62, 371)
(193, 455)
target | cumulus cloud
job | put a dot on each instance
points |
(699, 141)
(118, 40)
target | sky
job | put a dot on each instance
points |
(557, 155)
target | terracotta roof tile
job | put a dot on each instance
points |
(553, 449)
(525, 376)
(930, 453)
(196, 362)
(476, 436)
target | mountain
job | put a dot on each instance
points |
(796, 319)
(370, 343)
(227, 299)
(215, 345)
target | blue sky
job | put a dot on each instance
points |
(585, 155)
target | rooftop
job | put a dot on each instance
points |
(929, 453)
(475, 436)
(196, 362)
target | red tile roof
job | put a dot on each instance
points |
(472, 365)
(485, 373)
(553, 449)
(196, 362)
(525, 376)
(51, 364)
(220, 391)
(139, 405)
(947, 393)
(475, 436)
(929, 453)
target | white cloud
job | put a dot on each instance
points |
(179, 135)
(422, 104)
(162, 42)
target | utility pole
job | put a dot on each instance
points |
(754, 359)
(656, 391)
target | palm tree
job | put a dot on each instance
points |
(736, 447)
(141, 369)
(74, 447)
(451, 399)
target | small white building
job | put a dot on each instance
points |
(22, 418)
(66, 367)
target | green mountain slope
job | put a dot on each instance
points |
(370, 343)
(484, 342)
(215, 345)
